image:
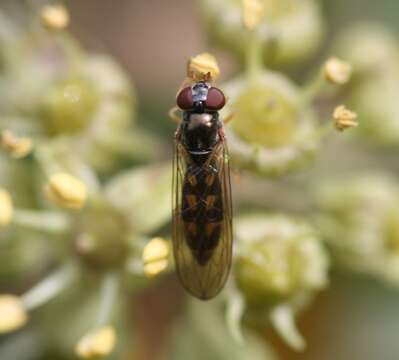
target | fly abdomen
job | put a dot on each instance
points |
(202, 211)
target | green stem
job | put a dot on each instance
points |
(50, 287)
(108, 296)
(45, 161)
(323, 130)
(48, 221)
(318, 134)
(234, 313)
(254, 57)
(283, 321)
(73, 51)
(312, 89)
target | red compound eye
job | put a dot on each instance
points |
(215, 99)
(185, 99)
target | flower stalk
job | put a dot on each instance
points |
(50, 287)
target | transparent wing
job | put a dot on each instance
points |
(204, 276)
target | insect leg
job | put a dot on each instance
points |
(222, 135)
(173, 115)
(228, 118)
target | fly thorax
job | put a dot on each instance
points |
(200, 131)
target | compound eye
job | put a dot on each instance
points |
(185, 99)
(215, 99)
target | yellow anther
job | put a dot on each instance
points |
(12, 313)
(344, 118)
(66, 191)
(6, 208)
(96, 344)
(155, 257)
(252, 13)
(337, 71)
(55, 17)
(203, 67)
(18, 147)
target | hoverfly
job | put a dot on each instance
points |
(202, 207)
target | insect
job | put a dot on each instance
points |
(202, 206)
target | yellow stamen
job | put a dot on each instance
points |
(252, 13)
(66, 191)
(55, 17)
(6, 208)
(337, 71)
(344, 118)
(98, 343)
(155, 257)
(12, 313)
(203, 67)
(18, 147)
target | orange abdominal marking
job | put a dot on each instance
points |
(192, 180)
(192, 228)
(192, 200)
(210, 201)
(210, 227)
(210, 179)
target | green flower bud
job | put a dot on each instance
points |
(360, 221)
(18, 259)
(375, 100)
(143, 194)
(374, 53)
(100, 235)
(278, 258)
(279, 267)
(112, 83)
(368, 47)
(271, 133)
(69, 106)
(290, 30)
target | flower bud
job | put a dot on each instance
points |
(100, 236)
(359, 218)
(375, 99)
(270, 134)
(278, 259)
(66, 191)
(54, 17)
(18, 147)
(369, 47)
(143, 194)
(96, 344)
(337, 71)
(6, 208)
(288, 31)
(155, 257)
(12, 313)
(68, 107)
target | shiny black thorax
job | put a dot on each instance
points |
(200, 133)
